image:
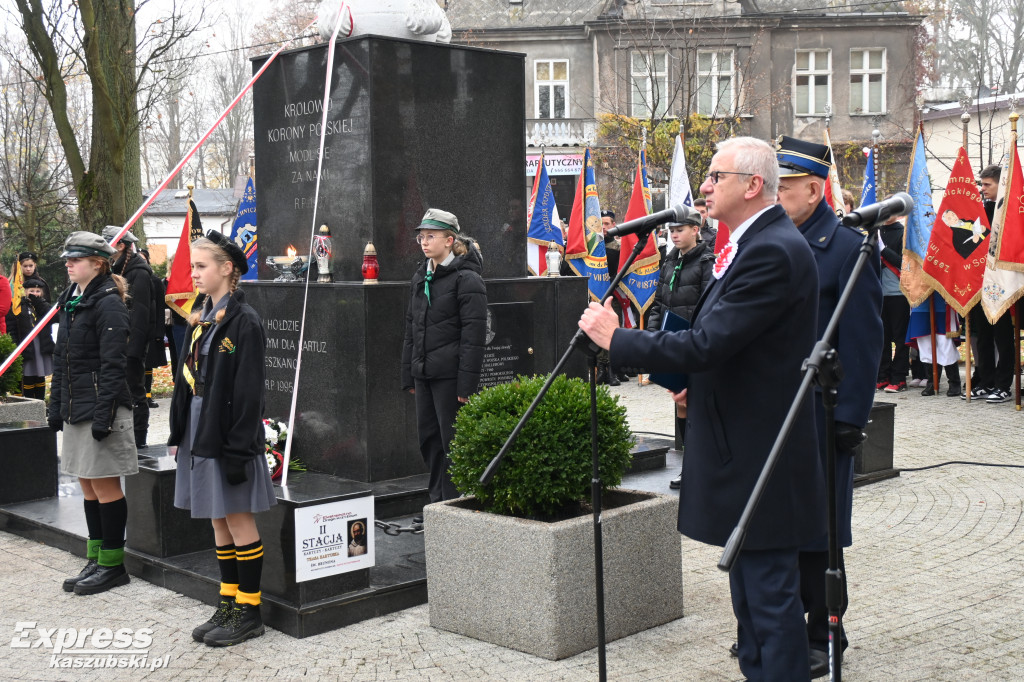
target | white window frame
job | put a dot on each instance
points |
(863, 108)
(645, 81)
(814, 73)
(550, 83)
(711, 78)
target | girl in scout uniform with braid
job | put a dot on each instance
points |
(445, 331)
(90, 403)
(217, 435)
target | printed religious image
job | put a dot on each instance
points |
(357, 537)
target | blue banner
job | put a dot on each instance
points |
(243, 230)
(585, 252)
(867, 190)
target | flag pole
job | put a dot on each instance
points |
(252, 164)
(1016, 355)
(931, 310)
(965, 119)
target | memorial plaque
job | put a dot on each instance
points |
(509, 351)
(410, 126)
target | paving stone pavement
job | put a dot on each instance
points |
(936, 587)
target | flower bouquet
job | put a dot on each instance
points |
(275, 436)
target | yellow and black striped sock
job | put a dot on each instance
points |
(228, 570)
(250, 572)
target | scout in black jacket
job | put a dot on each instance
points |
(217, 435)
(445, 328)
(89, 401)
(38, 356)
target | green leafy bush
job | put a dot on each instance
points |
(548, 471)
(10, 381)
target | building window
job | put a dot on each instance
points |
(650, 84)
(867, 81)
(715, 85)
(551, 86)
(813, 72)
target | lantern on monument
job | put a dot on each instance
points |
(371, 268)
(323, 251)
(554, 259)
(290, 266)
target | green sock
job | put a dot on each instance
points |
(92, 549)
(111, 557)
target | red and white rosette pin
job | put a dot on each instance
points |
(724, 259)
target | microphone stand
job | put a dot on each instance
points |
(583, 343)
(822, 368)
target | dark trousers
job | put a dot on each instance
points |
(989, 372)
(437, 404)
(177, 343)
(772, 635)
(33, 387)
(812, 592)
(680, 430)
(895, 318)
(135, 374)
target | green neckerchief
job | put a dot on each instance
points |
(426, 284)
(672, 282)
(73, 303)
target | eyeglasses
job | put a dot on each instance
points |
(717, 175)
(426, 238)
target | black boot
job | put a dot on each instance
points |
(612, 379)
(90, 568)
(953, 377)
(928, 389)
(218, 619)
(103, 579)
(244, 622)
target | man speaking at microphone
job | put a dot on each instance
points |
(751, 330)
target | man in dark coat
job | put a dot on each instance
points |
(751, 331)
(133, 267)
(804, 168)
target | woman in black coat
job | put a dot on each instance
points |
(445, 329)
(38, 356)
(684, 276)
(90, 403)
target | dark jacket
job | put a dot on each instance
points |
(750, 333)
(892, 237)
(89, 359)
(134, 268)
(445, 338)
(231, 424)
(612, 252)
(156, 355)
(19, 327)
(691, 280)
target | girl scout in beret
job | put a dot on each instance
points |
(217, 435)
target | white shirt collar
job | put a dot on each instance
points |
(447, 261)
(735, 235)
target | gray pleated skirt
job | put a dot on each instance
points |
(201, 487)
(83, 456)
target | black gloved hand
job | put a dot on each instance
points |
(100, 434)
(848, 437)
(56, 424)
(234, 470)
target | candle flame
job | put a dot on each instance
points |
(291, 251)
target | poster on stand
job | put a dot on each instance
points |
(333, 538)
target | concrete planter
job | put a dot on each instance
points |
(529, 585)
(22, 409)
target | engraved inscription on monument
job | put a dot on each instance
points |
(509, 343)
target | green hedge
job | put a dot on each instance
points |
(548, 471)
(10, 381)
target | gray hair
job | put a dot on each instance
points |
(756, 157)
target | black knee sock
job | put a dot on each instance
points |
(95, 526)
(228, 570)
(250, 571)
(114, 516)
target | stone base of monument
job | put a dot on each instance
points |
(874, 459)
(158, 527)
(28, 460)
(14, 409)
(529, 585)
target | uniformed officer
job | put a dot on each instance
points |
(803, 171)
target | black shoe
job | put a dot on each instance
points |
(734, 650)
(613, 380)
(90, 568)
(928, 391)
(244, 622)
(153, 404)
(977, 393)
(818, 663)
(418, 519)
(622, 376)
(218, 619)
(997, 396)
(103, 579)
(676, 482)
(954, 390)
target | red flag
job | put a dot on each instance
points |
(1009, 249)
(637, 209)
(955, 261)
(833, 190)
(181, 291)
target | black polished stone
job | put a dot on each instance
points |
(156, 526)
(411, 125)
(873, 459)
(28, 459)
(352, 419)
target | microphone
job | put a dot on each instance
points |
(900, 203)
(676, 214)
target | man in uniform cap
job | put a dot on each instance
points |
(803, 177)
(133, 267)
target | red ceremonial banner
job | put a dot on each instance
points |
(955, 264)
(1009, 251)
